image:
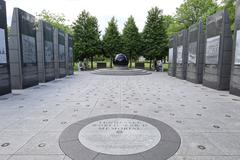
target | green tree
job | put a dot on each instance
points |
(189, 13)
(230, 5)
(172, 25)
(56, 20)
(131, 39)
(112, 40)
(86, 37)
(155, 35)
(192, 11)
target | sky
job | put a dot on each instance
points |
(104, 10)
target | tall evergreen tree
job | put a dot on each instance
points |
(131, 39)
(112, 39)
(155, 35)
(86, 37)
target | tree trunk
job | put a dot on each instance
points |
(150, 67)
(92, 62)
(131, 60)
(111, 62)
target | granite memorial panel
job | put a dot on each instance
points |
(23, 50)
(218, 53)
(172, 56)
(5, 85)
(182, 54)
(235, 76)
(196, 46)
(56, 55)
(69, 54)
(45, 52)
(62, 54)
(59, 54)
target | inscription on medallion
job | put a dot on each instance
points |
(212, 51)
(119, 136)
(179, 54)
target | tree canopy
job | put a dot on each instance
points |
(230, 5)
(191, 12)
(56, 20)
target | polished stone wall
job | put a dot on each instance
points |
(235, 76)
(182, 54)
(196, 46)
(218, 53)
(5, 84)
(45, 52)
(172, 56)
(23, 50)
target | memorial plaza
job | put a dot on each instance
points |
(33, 119)
(169, 91)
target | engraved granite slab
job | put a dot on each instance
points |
(5, 84)
(45, 52)
(23, 51)
(182, 54)
(218, 57)
(172, 56)
(235, 74)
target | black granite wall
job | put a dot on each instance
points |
(23, 51)
(218, 53)
(196, 48)
(182, 54)
(61, 54)
(48, 52)
(5, 85)
(235, 76)
(70, 55)
(172, 56)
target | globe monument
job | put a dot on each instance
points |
(120, 61)
(121, 68)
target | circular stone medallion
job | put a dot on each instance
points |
(119, 136)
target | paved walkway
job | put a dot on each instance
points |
(208, 121)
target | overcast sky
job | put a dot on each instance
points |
(102, 9)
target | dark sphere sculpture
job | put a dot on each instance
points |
(120, 60)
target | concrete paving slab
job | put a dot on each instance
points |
(32, 157)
